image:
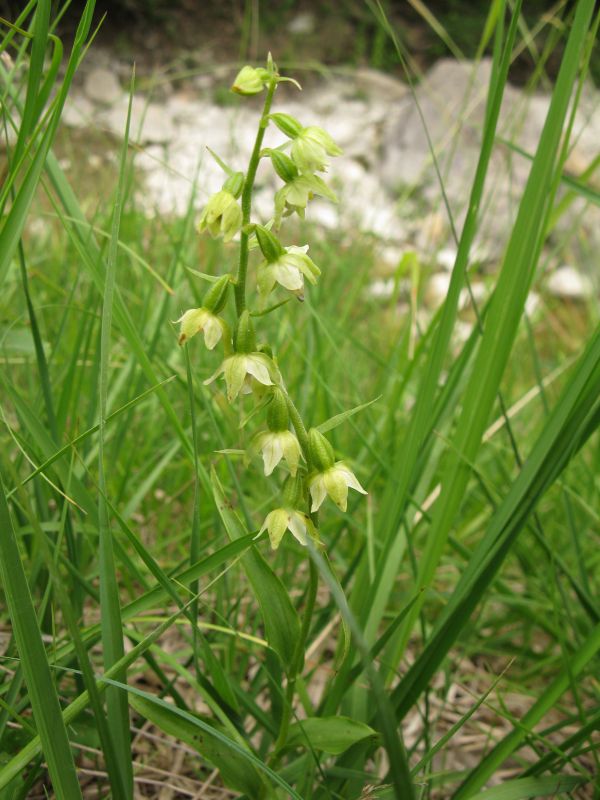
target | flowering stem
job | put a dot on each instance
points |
(298, 658)
(240, 286)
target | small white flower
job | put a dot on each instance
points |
(200, 319)
(275, 445)
(289, 270)
(241, 369)
(282, 519)
(334, 482)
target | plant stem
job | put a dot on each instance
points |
(298, 659)
(240, 286)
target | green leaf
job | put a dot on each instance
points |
(333, 422)
(34, 661)
(282, 625)
(235, 770)
(332, 735)
(523, 788)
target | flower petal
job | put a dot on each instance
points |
(212, 331)
(272, 451)
(276, 523)
(235, 373)
(291, 451)
(289, 277)
(219, 371)
(350, 477)
(298, 526)
(336, 486)
(256, 366)
(318, 492)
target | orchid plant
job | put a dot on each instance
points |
(299, 452)
(248, 368)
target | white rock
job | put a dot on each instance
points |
(568, 283)
(437, 289)
(101, 86)
(532, 304)
(78, 111)
(379, 86)
(446, 258)
(302, 24)
(381, 289)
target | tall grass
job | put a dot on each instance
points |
(134, 593)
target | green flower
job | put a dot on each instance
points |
(294, 196)
(282, 519)
(222, 216)
(311, 148)
(250, 80)
(275, 445)
(335, 482)
(289, 270)
(243, 371)
(200, 319)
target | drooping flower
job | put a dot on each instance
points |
(275, 445)
(330, 477)
(281, 519)
(294, 196)
(334, 482)
(243, 371)
(288, 270)
(310, 149)
(195, 320)
(222, 216)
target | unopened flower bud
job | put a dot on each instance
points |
(248, 81)
(269, 244)
(321, 452)
(245, 337)
(283, 165)
(287, 124)
(278, 418)
(216, 297)
(234, 184)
